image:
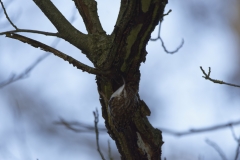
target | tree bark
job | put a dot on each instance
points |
(135, 22)
(116, 58)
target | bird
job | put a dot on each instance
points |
(122, 105)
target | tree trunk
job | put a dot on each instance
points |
(136, 21)
(116, 58)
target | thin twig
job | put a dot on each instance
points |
(194, 131)
(79, 127)
(88, 128)
(207, 77)
(238, 143)
(5, 23)
(23, 30)
(174, 51)
(109, 151)
(169, 11)
(5, 5)
(31, 31)
(24, 74)
(96, 119)
(163, 45)
(237, 151)
(5, 12)
(217, 148)
(233, 133)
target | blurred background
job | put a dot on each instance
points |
(172, 85)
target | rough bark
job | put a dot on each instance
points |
(136, 21)
(114, 56)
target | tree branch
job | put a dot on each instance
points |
(96, 119)
(207, 77)
(237, 150)
(174, 51)
(217, 148)
(160, 38)
(78, 126)
(5, 12)
(24, 74)
(166, 14)
(109, 151)
(32, 31)
(238, 143)
(88, 128)
(59, 19)
(13, 78)
(47, 48)
(206, 129)
(24, 30)
(88, 11)
(68, 32)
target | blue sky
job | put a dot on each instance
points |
(171, 85)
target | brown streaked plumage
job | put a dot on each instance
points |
(122, 105)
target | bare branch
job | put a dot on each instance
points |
(5, 12)
(5, 24)
(238, 143)
(217, 148)
(47, 48)
(174, 51)
(88, 11)
(31, 31)
(169, 11)
(233, 134)
(96, 116)
(24, 74)
(163, 45)
(109, 151)
(79, 127)
(24, 30)
(5, 5)
(194, 131)
(207, 77)
(67, 31)
(237, 151)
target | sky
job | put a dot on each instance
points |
(171, 85)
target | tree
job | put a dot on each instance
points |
(116, 58)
